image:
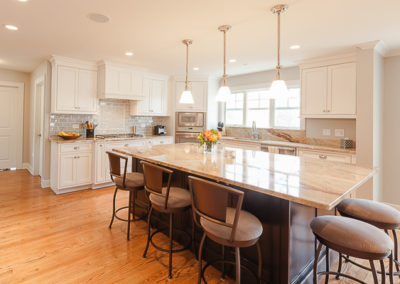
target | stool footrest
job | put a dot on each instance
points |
(347, 259)
(342, 275)
(167, 250)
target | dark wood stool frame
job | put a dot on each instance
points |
(153, 176)
(115, 172)
(217, 215)
(338, 274)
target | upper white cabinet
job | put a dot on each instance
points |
(117, 81)
(329, 91)
(155, 101)
(199, 91)
(74, 86)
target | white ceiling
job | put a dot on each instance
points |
(153, 30)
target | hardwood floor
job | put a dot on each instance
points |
(48, 238)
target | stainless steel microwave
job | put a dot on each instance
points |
(190, 121)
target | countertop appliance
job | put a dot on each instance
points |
(188, 125)
(160, 130)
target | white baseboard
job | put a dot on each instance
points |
(28, 167)
(45, 183)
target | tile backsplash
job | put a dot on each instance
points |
(113, 117)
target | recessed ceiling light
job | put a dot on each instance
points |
(22, 0)
(11, 27)
(233, 60)
(128, 53)
(296, 46)
(98, 18)
(196, 68)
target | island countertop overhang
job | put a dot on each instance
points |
(307, 181)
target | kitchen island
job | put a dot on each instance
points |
(284, 192)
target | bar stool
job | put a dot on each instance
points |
(165, 199)
(354, 238)
(132, 182)
(224, 225)
(375, 213)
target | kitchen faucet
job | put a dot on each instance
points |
(254, 133)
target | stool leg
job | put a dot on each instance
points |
(134, 204)
(129, 215)
(193, 241)
(374, 274)
(201, 257)
(237, 259)
(259, 261)
(391, 268)
(316, 263)
(223, 263)
(383, 281)
(148, 231)
(396, 250)
(171, 223)
(340, 266)
(327, 265)
(113, 215)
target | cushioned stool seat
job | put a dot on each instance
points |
(352, 237)
(249, 228)
(177, 198)
(132, 180)
(378, 214)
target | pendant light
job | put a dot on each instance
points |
(187, 97)
(224, 92)
(278, 86)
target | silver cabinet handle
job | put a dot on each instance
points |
(323, 157)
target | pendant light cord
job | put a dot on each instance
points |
(224, 58)
(187, 67)
(278, 67)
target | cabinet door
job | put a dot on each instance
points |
(314, 82)
(326, 156)
(158, 97)
(67, 170)
(87, 91)
(199, 91)
(100, 167)
(137, 83)
(125, 82)
(144, 105)
(112, 80)
(83, 169)
(342, 86)
(67, 78)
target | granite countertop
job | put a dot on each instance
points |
(307, 181)
(58, 139)
(292, 144)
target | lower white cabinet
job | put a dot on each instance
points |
(327, 156)
(71, 166)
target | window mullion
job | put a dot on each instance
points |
(244, 118)
(272, 113)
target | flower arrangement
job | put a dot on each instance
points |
(208, 138)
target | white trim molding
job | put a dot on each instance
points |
(44, 183)
(27, 166)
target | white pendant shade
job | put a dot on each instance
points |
(186, 97)
(278, 88)
(223, 94)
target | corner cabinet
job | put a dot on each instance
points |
(74, 86)
(199, 91)
(329, 91)
(155, 97)
(119, 81)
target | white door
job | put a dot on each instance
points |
(11, 124)
(67, 79)
(342, 89)
(67, 170)
(87, 91)
(314, 91)
(83, 168)
(38, 115)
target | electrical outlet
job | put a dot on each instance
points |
(339, 132)
(326, 132)
(75, 126)
(51, 124)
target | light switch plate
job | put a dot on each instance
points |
(326, 132)
(339, 132)
(75, 126)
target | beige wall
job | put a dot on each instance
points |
(391, 153)
(15, 76)
(314, 127)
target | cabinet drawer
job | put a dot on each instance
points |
(75, 147)
(334, 157)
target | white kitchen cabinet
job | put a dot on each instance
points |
(100, 164)
(119, 81)
(199, 91)
(71, 166)
(162, 140)
(155, 101)
(326, 156)
(329, 91)
(74, 86)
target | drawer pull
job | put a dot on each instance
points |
(323, 157)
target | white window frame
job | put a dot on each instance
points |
(245, 90)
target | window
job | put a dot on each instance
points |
(257, 105)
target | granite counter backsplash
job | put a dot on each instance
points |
(296, 136)
(113, 118)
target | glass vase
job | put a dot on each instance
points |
(208, 147)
